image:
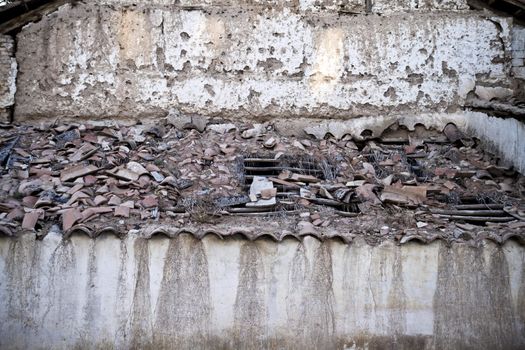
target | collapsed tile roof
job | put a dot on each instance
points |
(249, 180)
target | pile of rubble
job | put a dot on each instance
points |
(91, 176)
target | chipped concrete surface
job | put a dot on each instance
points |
(100, 61)
(190, 293)
(386, 6)
(8, 72)
(342, 6)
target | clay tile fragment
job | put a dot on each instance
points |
(127, 175)
(15, 214)
(129, 204)
(46, 199)
(75, 197)
(452, 133)
(317, 222)
(99, 200)
(407, 195)
(89, 180)
(136, 168)
(30, 187)
(366, 193)
(315, 216)
(70, 217)
(122, 211)
(283, 182)
(83, 152)
(150, 201)
(77, 171)
(304, 178)
(209, 153)
(90, 212)
(29, 201)
(144, 181)
(152, 167)
(114, 200)
(31, 218)
(75, 189)
(268, 193)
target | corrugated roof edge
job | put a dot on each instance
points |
(498, 236)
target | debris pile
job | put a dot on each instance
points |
(404, 182)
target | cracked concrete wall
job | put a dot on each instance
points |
(8, 71)
(294, 58)
(186, 293)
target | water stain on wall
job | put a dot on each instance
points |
(140, 327)
(465, 300)
(311, 299)
(396, 300)
(22, 277)
(298, 273)
(120, 309)
(319, 322)
(91, 308)
(183, 313)
(250, 323)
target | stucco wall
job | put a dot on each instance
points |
(189, 293)
(7, 76)
(292, 59)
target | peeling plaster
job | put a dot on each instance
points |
(126, 62)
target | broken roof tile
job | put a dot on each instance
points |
(77, 171)
(210, 166)
(31, 218)
(70, 217)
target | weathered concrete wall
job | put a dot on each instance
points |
(353, 6)
(518, 51)
(8, 69)
(294, 59)
(189, 293)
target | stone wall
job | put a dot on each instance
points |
(7, 76)
(277, 59)
(187, 293)
(518, 51)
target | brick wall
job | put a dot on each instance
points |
(7, 76)
(518, 51)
